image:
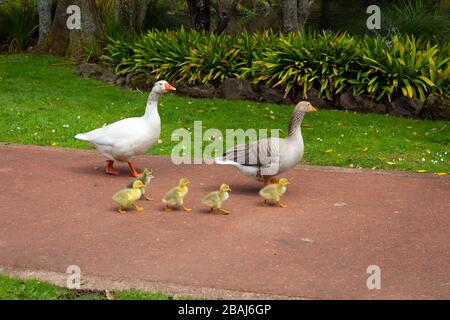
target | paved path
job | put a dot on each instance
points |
(56, 210)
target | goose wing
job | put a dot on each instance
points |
(261, 153)
(123, 197)
(115, 132)
(269, 192)
(172, 196)
(211, 198)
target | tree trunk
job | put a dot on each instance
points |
(225, 10)
(117, 10)
(71, 43)
(200, 13)
(295, 13)
(141, 12)
(45, 17)
(289, 16)
(132, 14)
(303, 11)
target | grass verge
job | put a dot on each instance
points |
(32, 289)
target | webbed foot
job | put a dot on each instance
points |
(109, 168)
(185, 209)
(137, 208)
(282, 205)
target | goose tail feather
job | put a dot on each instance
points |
(223, 161)
(81, 136)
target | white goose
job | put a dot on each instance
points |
(127, 138)
(266, 158)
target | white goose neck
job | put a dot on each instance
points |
(152, 105)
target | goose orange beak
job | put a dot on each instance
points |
(313, 109)
(169, 87)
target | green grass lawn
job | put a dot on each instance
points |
(30, 289)
(43, 103)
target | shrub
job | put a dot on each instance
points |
(416, 17)
(253, 47)
(118, 53)
(441, 76)
(400, 66)
(301, 61)
(19, 23)
(380, 67)
(180, 56)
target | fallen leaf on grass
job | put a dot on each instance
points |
(421, 171)
(441, 174)
(390, 163)
(329, 151)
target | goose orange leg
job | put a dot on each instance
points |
(109, 168)
(274, 180)
(133, 171)
(270, 180)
